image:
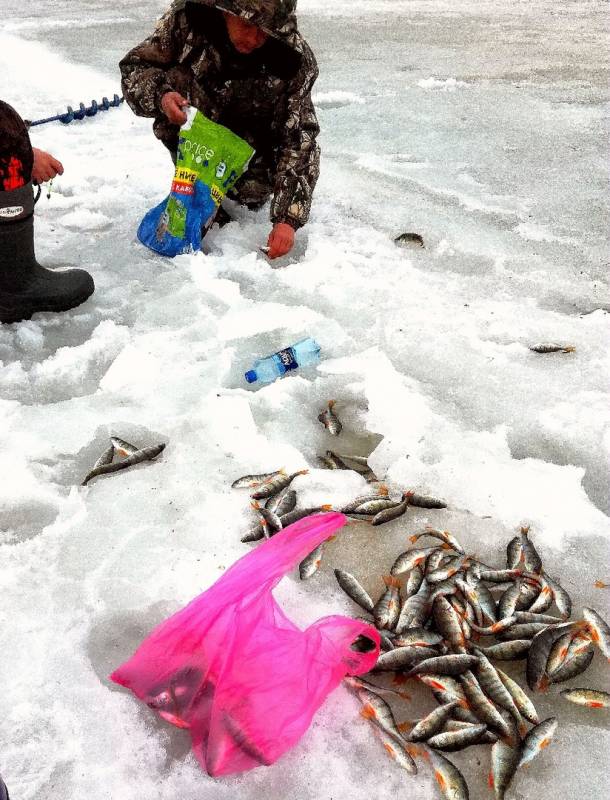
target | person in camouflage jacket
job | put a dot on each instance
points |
(244, 64)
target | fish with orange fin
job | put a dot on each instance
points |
(599, 630)
(122, 448)
(330, 420)
(448, 777)
(537, 740)
(276, 484)
(601, 585)
(591, 698)
(254, 481)
(387, 608)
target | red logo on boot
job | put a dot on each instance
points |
(11, 175)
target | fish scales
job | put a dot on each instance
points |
(275, 485)
(354, 590)
(599, 629)
(537, 740)
(451, 741)
(539, 652)
(433, 723)
(504, 763)
(482, 706)
(522, 701)
(591, 698)
(145, 454)
(386, 611)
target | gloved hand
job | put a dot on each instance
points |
(172, 105)
(281, 240)
(45, 167)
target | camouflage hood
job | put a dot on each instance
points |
(275, 17)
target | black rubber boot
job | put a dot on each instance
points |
(25, 286)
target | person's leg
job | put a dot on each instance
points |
(25, 286)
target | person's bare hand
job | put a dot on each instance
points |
(45, 167)
(172, 105)
(281, 240)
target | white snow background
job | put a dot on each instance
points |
(480, 125)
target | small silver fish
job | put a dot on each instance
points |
(504, 763)
(399, 754)
(433, 723)
(401, 658)
(507, 651)
(330, 420)
(282, 503)
(311, 563)
(539, 652)
(522, 701)
(450, 741)
(276, 484)
(563, 600)
(393, 512)
(448, 777)
(122, 447)
(483, 707)
(591, 698)
(548, 347)
(411, 558)
(387, 609)
(537, 739)
(354, 590)
(443, 536)
(454, 664)
(106, 458)
(253, 481)
(372, 507)
(426, 501)
(270, 520)
(300, 513)
(409, 240)
(380, 494)
(145, 454)
(599, 630)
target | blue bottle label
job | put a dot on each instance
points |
(288, 358)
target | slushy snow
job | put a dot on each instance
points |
(425, 351)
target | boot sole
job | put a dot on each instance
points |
(19, 314)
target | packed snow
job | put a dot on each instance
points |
(479, 125)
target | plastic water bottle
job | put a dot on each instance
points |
(301, 354)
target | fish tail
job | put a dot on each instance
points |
(405, 727)
(368, 712)
(303, 472)
(413, 539)
(327, 507)
(391, 581)
(331, 403)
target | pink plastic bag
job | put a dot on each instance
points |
(235, 671)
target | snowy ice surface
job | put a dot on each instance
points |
(426, 352)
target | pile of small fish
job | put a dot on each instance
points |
(432, 634)
(129, 453)
(280, 509)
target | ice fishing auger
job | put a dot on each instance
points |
(83, 111)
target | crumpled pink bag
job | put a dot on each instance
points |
(235, 671)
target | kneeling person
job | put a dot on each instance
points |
(244, 65)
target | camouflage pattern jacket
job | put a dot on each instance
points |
(264, 97)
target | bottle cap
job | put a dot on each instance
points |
(251, 376)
